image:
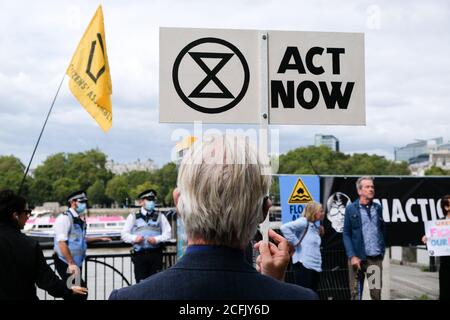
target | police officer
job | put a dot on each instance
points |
(146, 229)
(70, 241)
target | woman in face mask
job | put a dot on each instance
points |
(22, 263)
(304, 234)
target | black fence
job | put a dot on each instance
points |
(333, 281)
(104, 273)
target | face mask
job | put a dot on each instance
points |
(81, 207)
(149, 205)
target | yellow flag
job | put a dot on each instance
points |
(90, 80)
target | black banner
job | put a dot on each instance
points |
(407, 202)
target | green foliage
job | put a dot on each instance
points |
(11, 173)
(97, 194)
(166, 179)
(142, 187)
(436, 171)
(61, 174)
(322, 160)
(118, 190)
(63, 187)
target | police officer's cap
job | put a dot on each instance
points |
(78, 195)
(150, 193)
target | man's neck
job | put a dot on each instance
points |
(74, 212)
(365, 201)
(201, 242)
(198, 242)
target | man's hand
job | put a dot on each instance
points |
(151, 240)
(424, 239)
(273, 259)
(79, 290)
(139, 239)
(355, 262)
(73, 269)
(106, 239)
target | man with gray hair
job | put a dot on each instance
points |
(363, 238)
(221, 199)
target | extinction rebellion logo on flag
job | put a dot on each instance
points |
(89, 72)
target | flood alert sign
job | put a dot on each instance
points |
(295, 193)
(316, 78)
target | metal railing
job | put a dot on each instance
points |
(104, 273)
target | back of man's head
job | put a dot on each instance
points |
(10, 203)
(222, 186)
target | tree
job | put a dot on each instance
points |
(142, 187)
(166, 179)
(11, 174)
(84, 169)
(322, 160)
(138, 177)
(52, 169)
(437, 171)
(87, 167)
(118, 190)
(96, 194)
(63, 187)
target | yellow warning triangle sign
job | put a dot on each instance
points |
(300, 193)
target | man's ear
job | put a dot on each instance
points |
(176, 196)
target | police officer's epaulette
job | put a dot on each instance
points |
(138, 214)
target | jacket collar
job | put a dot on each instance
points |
(214, 258)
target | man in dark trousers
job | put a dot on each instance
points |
(146, 229)
(22, 263)
(364, 243)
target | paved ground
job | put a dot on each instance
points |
(413, 283)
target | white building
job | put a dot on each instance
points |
(138, 165)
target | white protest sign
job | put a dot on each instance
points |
(438, 237)
(209, 75)
(316, 78)
(228, 76)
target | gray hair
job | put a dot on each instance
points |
(221, 201)
(358, 182)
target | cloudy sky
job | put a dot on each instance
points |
(407, 45)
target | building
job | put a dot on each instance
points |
(138, 165)
(411, 151)
(327, 140)
(424, 154)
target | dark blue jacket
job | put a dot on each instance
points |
(217, 274)
(352, 235)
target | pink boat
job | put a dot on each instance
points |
(40, 226)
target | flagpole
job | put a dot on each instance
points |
(40, 135)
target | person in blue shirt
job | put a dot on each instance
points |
(304, 235)
(363, 238)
